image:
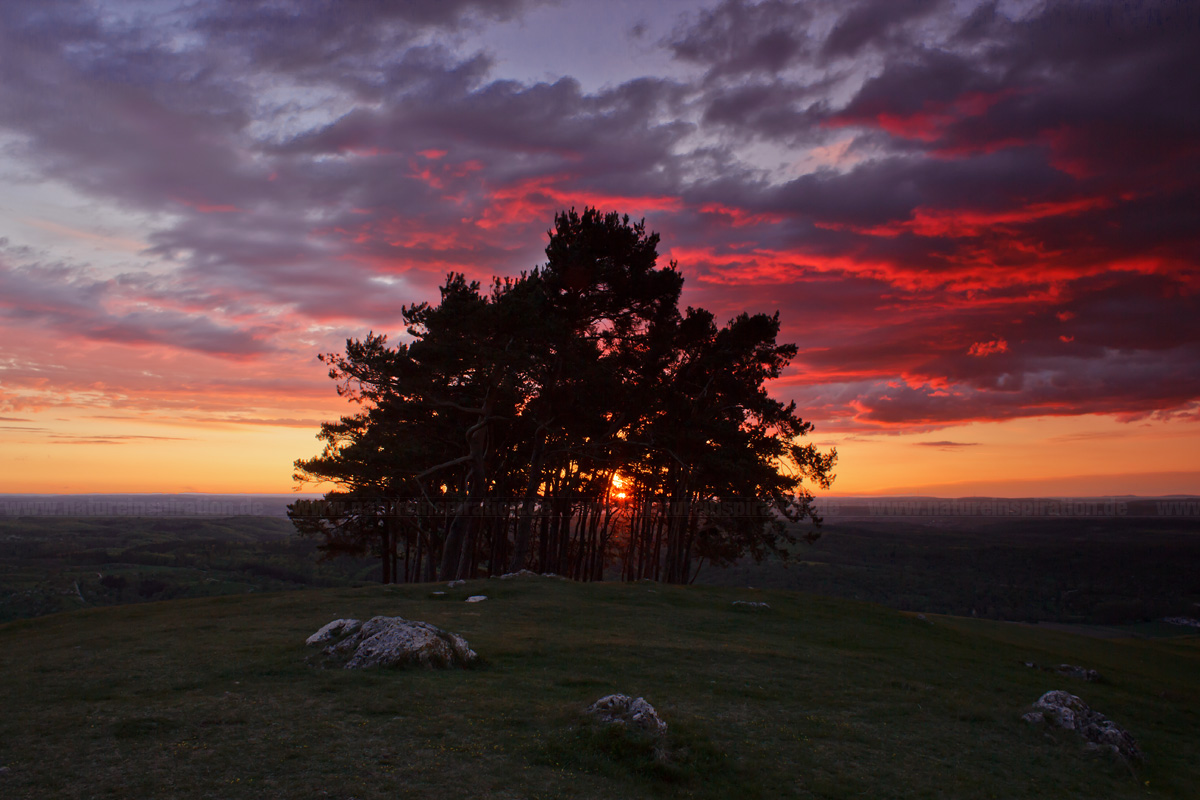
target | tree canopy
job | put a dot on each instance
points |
(571, 420)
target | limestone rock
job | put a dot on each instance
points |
(1072, 671)
(339, 627)
(452, 584)
(1065, 710)
(751, 604)
(477, 598)
(1068, 671)
(621, 709)
(527, 573)
(394, 641)
(524, 573)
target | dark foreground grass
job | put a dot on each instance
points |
(814, 697)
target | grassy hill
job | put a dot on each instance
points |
(52, 564)
(814, 697)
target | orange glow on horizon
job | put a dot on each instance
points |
(1080, 455)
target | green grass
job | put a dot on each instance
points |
(814, 697)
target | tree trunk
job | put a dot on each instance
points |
(525, 519)
(461, 528)
(385, 551)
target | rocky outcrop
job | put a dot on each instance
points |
(394, 642)
(1068, 671)
(334, 630)
(1065, 710)
(527, 573)
(621, 709)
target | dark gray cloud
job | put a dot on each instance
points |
(875, 22)
(737, 38)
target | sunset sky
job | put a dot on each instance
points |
(980, 222)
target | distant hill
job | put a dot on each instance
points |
(1082, 569)
(58, 563)
(147, 505)
(1061, 507)
(275, 505)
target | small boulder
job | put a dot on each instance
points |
(621, 709)
(394, 641)
(751, 604)
(477, 598)
(1068, 671)
(1072, 671)
(339, 627)
(1065, 710)
(524, 573)
(452, 584)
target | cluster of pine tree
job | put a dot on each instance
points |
(571, 420)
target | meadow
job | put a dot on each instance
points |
(813, 697)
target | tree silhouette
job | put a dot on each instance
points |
(493, 440)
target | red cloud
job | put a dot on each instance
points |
(929, 123)
(965, 222)
(539, 198)
(983, 349)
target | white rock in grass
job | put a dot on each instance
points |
(525, 573)
(452, 584)
(477, 598)
(1065, 710)
(394, 641)
(1068, 670)
(339, 627)
(751, 604)
(621, 709)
